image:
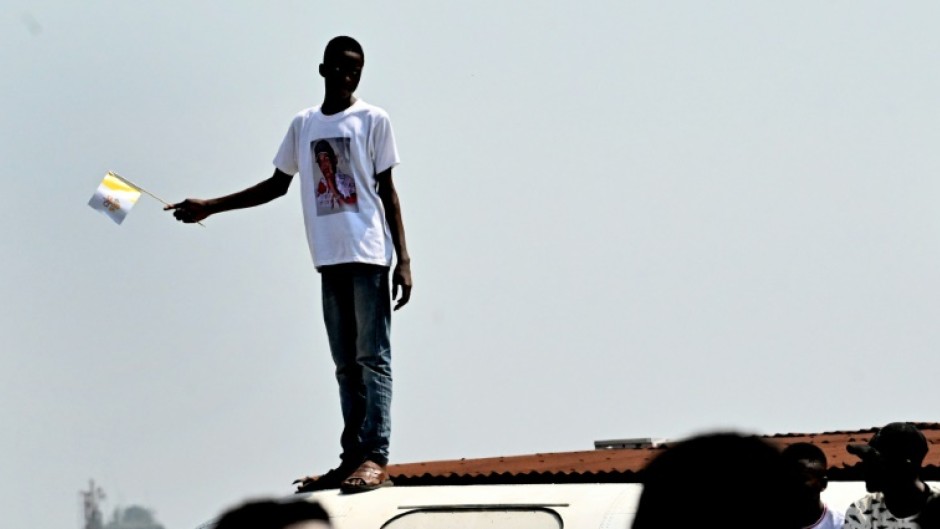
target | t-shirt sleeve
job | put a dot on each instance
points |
(286, 158)
(383, 149)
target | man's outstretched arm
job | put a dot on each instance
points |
(194, 209)
(401, 276)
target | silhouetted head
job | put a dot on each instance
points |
(268, 514)
(893, 457)
(342, 64)
(733, 480)
(810, 463)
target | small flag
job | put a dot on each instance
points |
(115, 197)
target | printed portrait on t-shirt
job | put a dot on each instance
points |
(336, 187)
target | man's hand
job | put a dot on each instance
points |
(401, 277)
(190, 210)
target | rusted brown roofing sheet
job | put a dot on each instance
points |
(622, 465)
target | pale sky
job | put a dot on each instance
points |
(626, 219)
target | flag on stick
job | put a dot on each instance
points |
(115, 197)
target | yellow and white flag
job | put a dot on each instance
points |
(115, 197)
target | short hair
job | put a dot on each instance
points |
(270, 514)
(338, 45)
(808, 451)
(699, 473)
(323, 146)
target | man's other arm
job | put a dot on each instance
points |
(194, 209)
(401, 276)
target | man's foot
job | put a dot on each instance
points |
(331, 480)
(369, 476)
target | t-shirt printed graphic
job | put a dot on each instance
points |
(336, 188)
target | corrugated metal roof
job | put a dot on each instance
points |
(622, 465)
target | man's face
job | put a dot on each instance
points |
(325, 164)
(342, 71)
(814, 477)
(873, 467)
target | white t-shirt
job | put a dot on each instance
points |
(870, 512)
(338, 157)
(830, 519)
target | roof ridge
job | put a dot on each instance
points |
(920, 426)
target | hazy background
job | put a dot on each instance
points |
(626, 219)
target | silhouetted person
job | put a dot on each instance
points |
(811, 464)
(344, 150)
(266, 514)
(721, 480)
(891, 462)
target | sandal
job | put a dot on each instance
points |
(331, 480)
(369, 476)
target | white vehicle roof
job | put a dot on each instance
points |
(571, 506)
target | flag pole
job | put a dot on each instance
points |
(142, 190)
(132, 184)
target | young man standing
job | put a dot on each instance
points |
(344, 150)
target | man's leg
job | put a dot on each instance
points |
(373, 309)
(340, 318)
(373, 356)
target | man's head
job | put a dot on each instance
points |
(810, 461)
(893, 456)
(742, 475)
(341, 69)
(325, 158)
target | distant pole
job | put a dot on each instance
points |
(91, 506)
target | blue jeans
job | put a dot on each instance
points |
(357, 312)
